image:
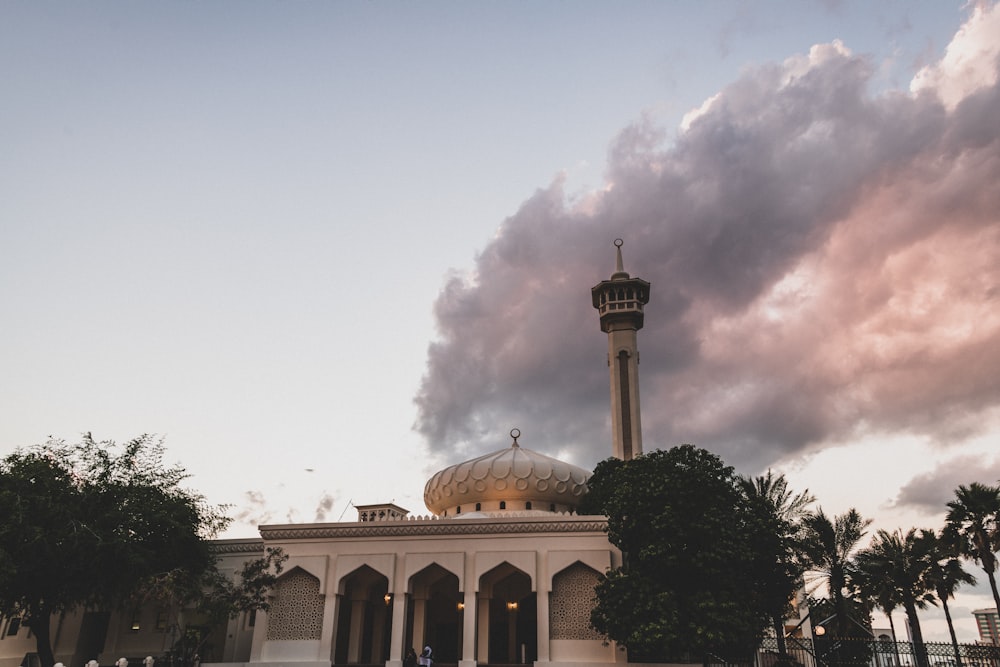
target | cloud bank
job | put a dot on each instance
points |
(933, 490)
(824, 260)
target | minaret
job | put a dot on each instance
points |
(620, 301)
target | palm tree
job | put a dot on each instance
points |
(828, 548)
(945, 575)
(782, 510)
(971, 526)
(885, 598)
(896, 565)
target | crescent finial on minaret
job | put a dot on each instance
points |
(620, 273)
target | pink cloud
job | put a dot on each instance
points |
(824, 263)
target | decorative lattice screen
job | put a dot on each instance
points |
(297, 610)
(571, 602)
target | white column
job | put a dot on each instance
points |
(419, 612)
(397, 588)
(398, 627)
(259, 636)
(543, 585)
(469, 629)
(542, 608)
(329, 626)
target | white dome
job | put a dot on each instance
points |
(513, 479)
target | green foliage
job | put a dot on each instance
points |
(88, 524)
(897, 566)
(945, 574)
(780, 512)
(973, 527)
(214, 595)
(694, 552)
(209, 598)
(828, 548)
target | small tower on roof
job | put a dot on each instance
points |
(619, 301)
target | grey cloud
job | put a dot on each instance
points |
(824, 264)
(323, 507)
(254, 510)
(933, 490)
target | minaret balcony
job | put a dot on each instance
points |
(618, 306)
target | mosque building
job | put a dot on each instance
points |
(502, 572)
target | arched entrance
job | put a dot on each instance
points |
(507, 612)
(364, 619)
(435, 614)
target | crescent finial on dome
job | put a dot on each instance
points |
(515, 433)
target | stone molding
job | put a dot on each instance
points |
(433, 526)
(245, 546)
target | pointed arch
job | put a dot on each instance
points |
(507, 616)
(365, 614)
(435, 612)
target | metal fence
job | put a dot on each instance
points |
(854, 652)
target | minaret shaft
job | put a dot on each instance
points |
(620, 301)
(623, 364)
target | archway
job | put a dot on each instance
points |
(364, 619)
(435, 614)
(507, 611)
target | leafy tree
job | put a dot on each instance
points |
(899, 564)
(781, 510)
(209, 598)
(688, 586)
(972, 527)
(945, 575)
(88, 524)
(829, 547)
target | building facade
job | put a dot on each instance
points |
(501, 572)
(987, 620)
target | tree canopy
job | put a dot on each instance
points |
(89, 524)
(897, 566)
(694, 557)
(973, 527)
(829, 547)
(780, 511)
(945, 574)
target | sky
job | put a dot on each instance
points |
(326, 249)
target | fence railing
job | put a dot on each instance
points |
(854, 652)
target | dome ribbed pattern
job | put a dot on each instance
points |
(515, 476)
